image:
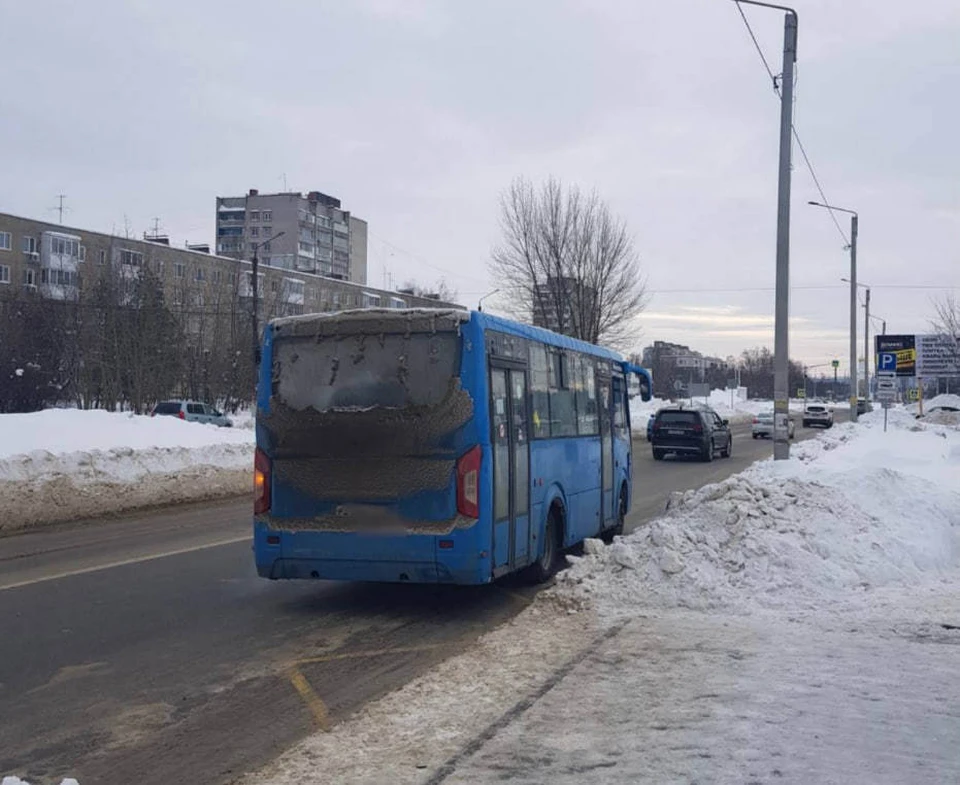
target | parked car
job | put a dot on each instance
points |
(650, 420)
(192, 411)
(864, 406)
(763, 426)
(684, 431)
(817, 414)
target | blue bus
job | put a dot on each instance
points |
(434, 446)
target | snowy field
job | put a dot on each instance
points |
(727, 405)
(796, 623)
(62, 464)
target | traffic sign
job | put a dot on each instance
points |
(887, 383)
(801, 393)
(887, 361)
(835, 363)
(913, 394)
(886, 396)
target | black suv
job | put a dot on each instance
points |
(684, 431)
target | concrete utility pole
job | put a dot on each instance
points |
(866, 348)
(781, 348)
(854, 226)
(255, 289)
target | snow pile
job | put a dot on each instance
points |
(63, 464)
(942, 401)
(18, 781)
(718, 400)
(853, 509)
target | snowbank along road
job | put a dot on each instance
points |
(144, 649)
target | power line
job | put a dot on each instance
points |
(421, 260)
(793, 127)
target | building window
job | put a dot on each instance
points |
(274, 286)
(5, 243)
(30, 277)
(83, 253)
(5, 272)
(217, 276)
(200, 274)
(177, 297)
(265, 247)
(198, 299)
(179, 270)
(254, 215)
(232, 279)
(103, 257)
(159, 267)
(131, 258)
(254, 231)
(64, 247)
(29, 244)
(266, 215)
(267, 230)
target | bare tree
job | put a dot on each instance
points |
(946, 318)
(567, 261)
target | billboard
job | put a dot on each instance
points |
(918, 355)
(903, 347)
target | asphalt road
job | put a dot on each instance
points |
(145, 649)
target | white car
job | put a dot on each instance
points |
(763, 426)
(817, 414)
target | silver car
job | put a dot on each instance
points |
(192, 411)
(763, 426)
(817, 414)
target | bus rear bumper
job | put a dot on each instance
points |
(405, 559)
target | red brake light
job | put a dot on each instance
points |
(698, 428)
(756, 420)
(261, 482)
(468, 483)
(181, 415)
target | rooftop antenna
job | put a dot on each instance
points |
(60, 208)
(156, 227)
(284, 176)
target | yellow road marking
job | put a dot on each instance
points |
(355, 655)
(317, 707)
(123, 562)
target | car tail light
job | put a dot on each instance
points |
(261, 482)
(468, 483)
(756, 420)
(181, 415)
(698, 428)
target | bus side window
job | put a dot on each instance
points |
(587, 422)
(619, 412)
(563, 402)
(539, 392)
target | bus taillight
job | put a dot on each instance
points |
(468, 482)
(261, 482)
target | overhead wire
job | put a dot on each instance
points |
(793, 127)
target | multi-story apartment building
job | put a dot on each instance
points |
(310, 233)
(63, 263)
(561, 304)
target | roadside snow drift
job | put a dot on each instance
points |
(63, 464)
(854, 509)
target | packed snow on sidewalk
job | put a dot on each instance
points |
(854, 509)
(18, 781)
(63, 464)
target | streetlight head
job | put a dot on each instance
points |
(815, 204)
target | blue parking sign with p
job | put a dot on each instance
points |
(888, 361)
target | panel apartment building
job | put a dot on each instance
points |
(311, 233)
(62, 263)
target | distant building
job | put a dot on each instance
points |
(62, 263)
(678, 356)
(564, 305)
(318, 236)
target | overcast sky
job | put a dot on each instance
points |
(417, 114)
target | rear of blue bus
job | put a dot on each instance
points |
(369, 457)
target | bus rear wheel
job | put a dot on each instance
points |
(544, 568)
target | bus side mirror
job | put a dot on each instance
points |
(644, 390)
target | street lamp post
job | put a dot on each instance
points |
(254, 286)
(854, 221)
(866, 339)
(488, 294)
(781, 362)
